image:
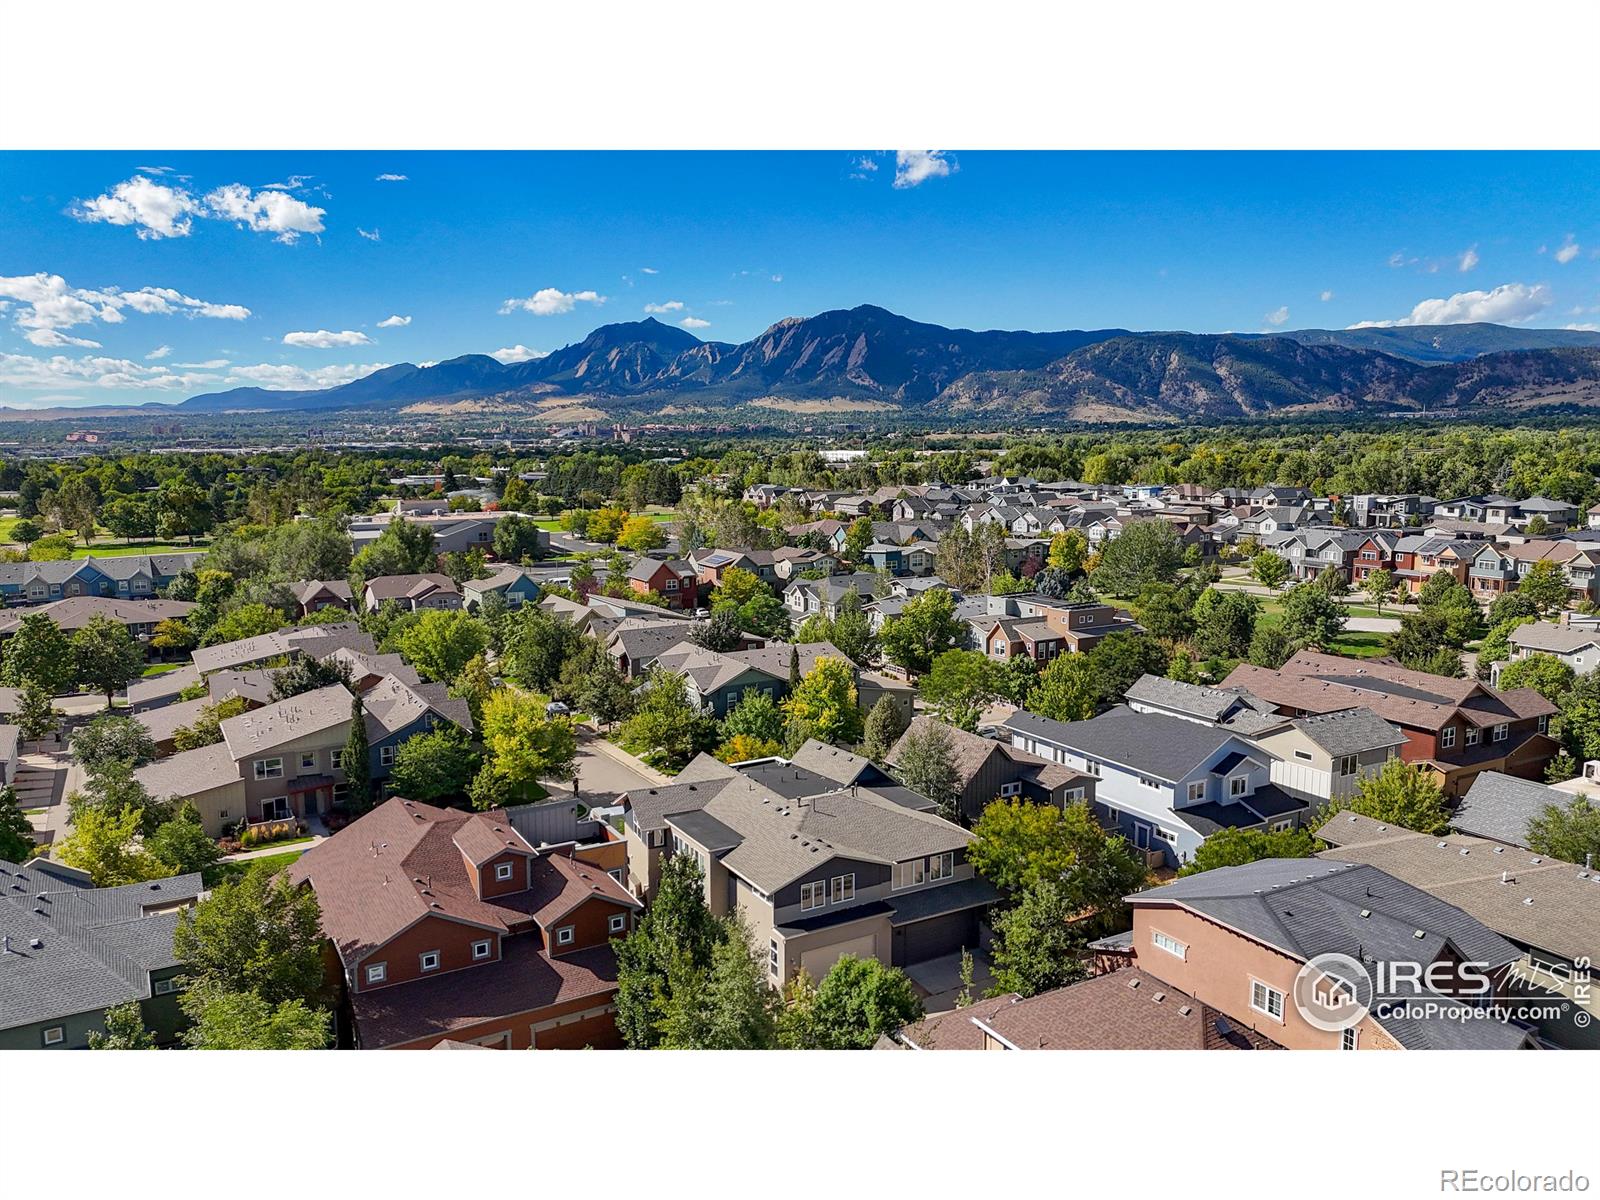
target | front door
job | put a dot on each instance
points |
(313, 802)
(1141, 835)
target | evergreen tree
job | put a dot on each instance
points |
(884, 725)
(355, 760)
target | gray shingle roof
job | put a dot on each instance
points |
(1499, 806)
(1351, 731)
(1165, 747)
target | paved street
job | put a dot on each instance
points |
(605, 771)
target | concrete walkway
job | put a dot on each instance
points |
(269, 851)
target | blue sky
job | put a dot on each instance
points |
(132, 277)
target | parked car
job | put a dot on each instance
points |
(556, 709)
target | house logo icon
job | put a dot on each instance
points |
(1333, 992)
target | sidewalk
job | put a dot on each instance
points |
(269, 851)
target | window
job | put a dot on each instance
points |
(615, 873)
(275, 809)
(1170, 944)
(910, 874)
(672, 585)
(1347, 1039)
(1075, 793)
(1303, 754)
(430, 960)
(482, 950)
(1472, 736)
(166, 987)
(502, 871)
(55, 1035)
(772, 956)
(813, 895)
(564, 936)
(942, 866)
(1544, 724)
(1266, 999)
(1010, 789)
(269, 768)
(1092, 767)
(308, 760)
(1347, 764)
(1197, 791)
(618, 923)
(1501, 732)
(1238, 785)
(1447, 737)
(844, 888)
(386, 756)
(377, 972)
(1146, 781)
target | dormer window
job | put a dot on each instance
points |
(502, 871)
(482, 950)
(618, 923)
(1238, 785)
(429, 960)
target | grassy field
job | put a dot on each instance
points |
(120, 549)
(227, 872)
(162, 668)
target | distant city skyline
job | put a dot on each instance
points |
(126, 278)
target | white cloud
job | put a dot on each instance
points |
(326, 339)
(158, 353)
(517, 353)
(1508, 304)
(550, 302)
(669, 306)
(694, 323)
(386, 177)
(265, 211)
(283, 377)
(1326, 295)
(1468, 260)
(212, 364)
(777, 279)
(1569, 251)
(1589, 327)
(864, 167)
(47, 304)
(912, 167)
(159, 211)
(370, 234)
(1278, 315)
(61, 373)
(649, 271)
(394, 322)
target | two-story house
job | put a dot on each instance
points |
(123, 577)
(138, 617)
(413, 592)
(514, 585)
(1028, 623)
(448, 924)
(675, 580)
(1163, 782)
(314, 595)
(813, 597)
(988, 770)
(1576, 646)
(816, 867)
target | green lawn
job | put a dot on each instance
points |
(227, 872)
(7, 524)
(120, 549)
(1360, 645)
(162, 668)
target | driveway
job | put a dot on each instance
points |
(938, 981)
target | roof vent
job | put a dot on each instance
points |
(1499, 849)
(1527, 899)
(1366, 912)
(1186, 1010)
(1536, 861)
(1159, 997)
(1419, 934)
(1466, 850)
(1133, 983)
(36, 944)
(1442, 845)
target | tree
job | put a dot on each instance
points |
(1379, 587)
(725, 1007)
(1068, 551)
(246, 621)
(130, 517)
(355, 760)
(438, 764)
(1515, 605)
(110, 738)
(1571, 834)
(182, 510)
(641, 535)
(1272, 646)
(537, 644)
(738, 588)
(76, 506)
(1270, 569)
(306, 674)
(1025, 850)
(1166, 610)
(960, 687)
(756, 716)
(720, 632)
(440, 643)
(667, 729)
(1415, 645)
(882, 729)
(1145, 552)
(824, 705)
(1544, 673)
(516, 539)
(926, 627)
(1401, 795)
(605, 695)
(112, 788)
(857, 537)
(1546, 585)
(1017, 844)
(105, 844)
(257, 933)
(858, 1001)
(1312, 617)
(1119, 661)
(1496, 644)
(927, 765)
(226, 1020)
(672, 944)
(39, 652)
(403, 548)
(1452, 605)
(124, 1030)
(36, 716)
(25, 532)
(173, 634)
(17, 843)
(1069, 689)
(1225, 622)
(525, 744)
(741, 747)
(182, 844)
(605, 524)
(1236, 847)
(1036, 947)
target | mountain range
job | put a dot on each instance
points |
(871, 360)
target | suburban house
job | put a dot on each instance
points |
(1454, 728)
(1499, 807)
(1164, 783)
(818, 866)
(1577, 646)
(717, 680)
(452, 532)
(412, 592)
(812, 597)
(313, 641)
(512, 584)
(139, 617)
(987, 770)
(281, 762)
(314, 595)
(675, 580)
(712, 564)
(124, 577)
(1235, 938)
(1128, 1009)
(1548, 909)
(72, 951)
(163, 689)
(1042, 628)
(449, 924)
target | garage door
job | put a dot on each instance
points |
(817, 962)
(935, 937)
